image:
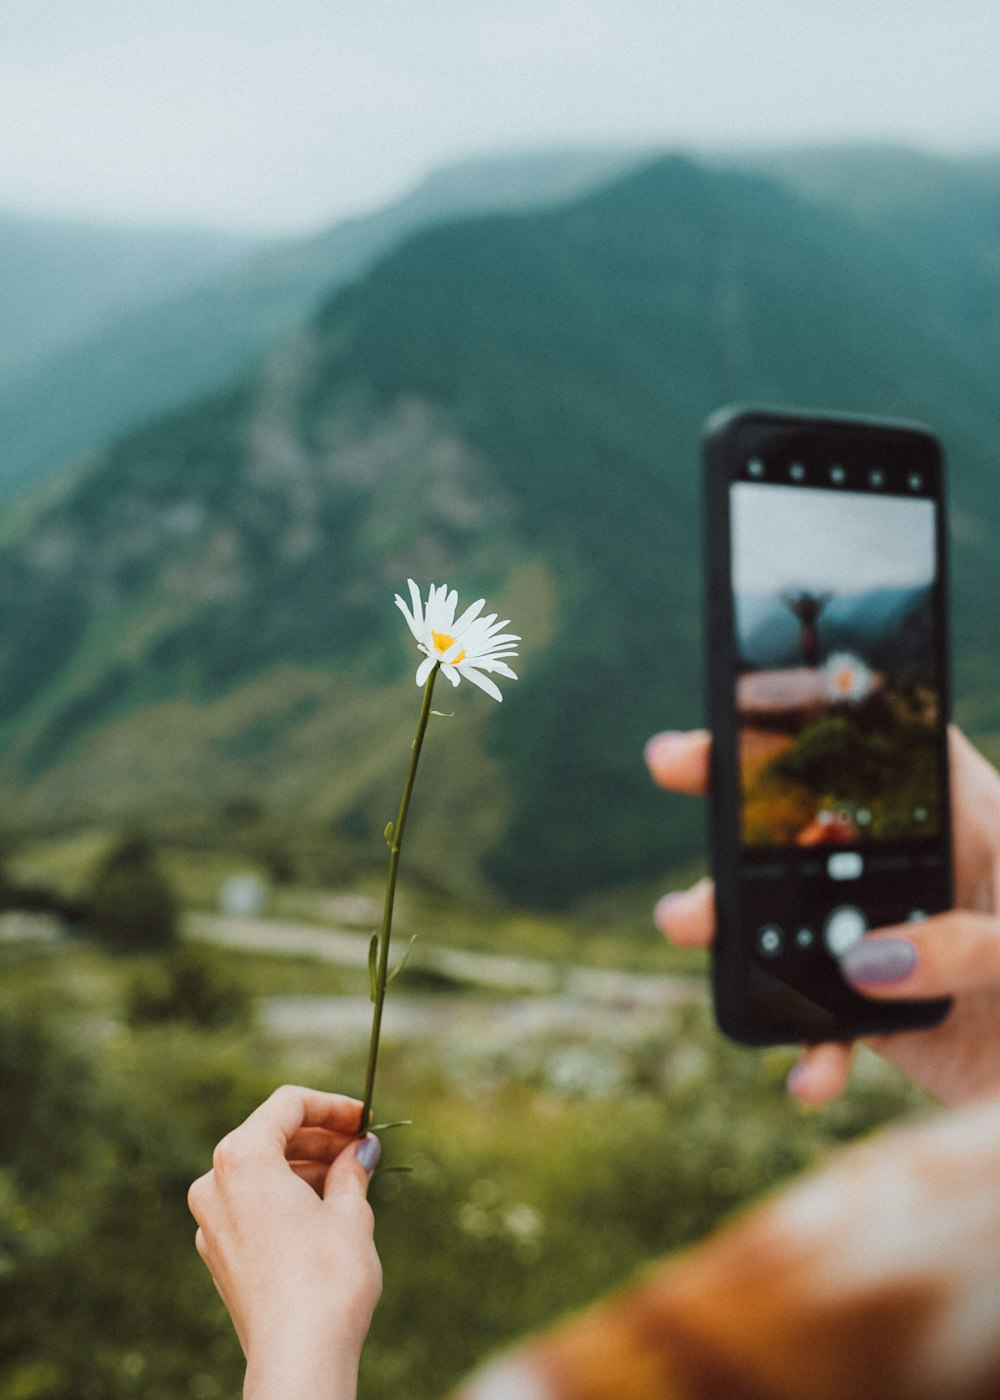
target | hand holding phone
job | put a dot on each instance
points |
(828, 701)
(957, 954)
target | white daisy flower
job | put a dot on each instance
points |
(847, 679)
(465, 646)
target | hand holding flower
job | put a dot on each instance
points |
(285, 1229)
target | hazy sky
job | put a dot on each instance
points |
(288, 114)
(792, 537)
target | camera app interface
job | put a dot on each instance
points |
(838, 694)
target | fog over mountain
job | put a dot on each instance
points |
(64, 282)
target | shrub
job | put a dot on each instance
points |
(189, 989)
(131, 904)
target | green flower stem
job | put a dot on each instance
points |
(394, 838)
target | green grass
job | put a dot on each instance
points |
(612, 930)
(650, 1137)
(275, 976)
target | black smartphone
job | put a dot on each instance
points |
(828, 699)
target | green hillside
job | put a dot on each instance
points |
(136, 358)
(943, 214)
(509, 403)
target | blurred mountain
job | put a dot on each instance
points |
(110, 372)
(511, 403)
(63, 281)
(886, 627)
(878, 181)
(942, 213)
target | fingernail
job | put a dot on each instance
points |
(798, 1076)
(368, 1151)
(665, 907)
(658, 743)
(879, 961)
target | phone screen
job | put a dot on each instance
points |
(838, 688)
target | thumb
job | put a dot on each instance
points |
(349, 1226)
(351, 1170)
(943, 955)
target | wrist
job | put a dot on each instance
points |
(326, 1378)
(319, 1365)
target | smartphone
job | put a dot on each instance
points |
(828, 698)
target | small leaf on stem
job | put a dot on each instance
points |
(373, 967)
(399, 966)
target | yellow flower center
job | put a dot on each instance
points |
(442, 642)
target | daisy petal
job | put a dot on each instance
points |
(410, 620)
(451, 673)
(470, 614)
(433, 607)
(424, 669)
(483, 682)
(440, 609)
(416, 616)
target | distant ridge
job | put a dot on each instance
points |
(63, 281)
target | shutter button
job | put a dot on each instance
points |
(846, 926)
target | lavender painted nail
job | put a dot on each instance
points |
(368, 1151)
(879, 961)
